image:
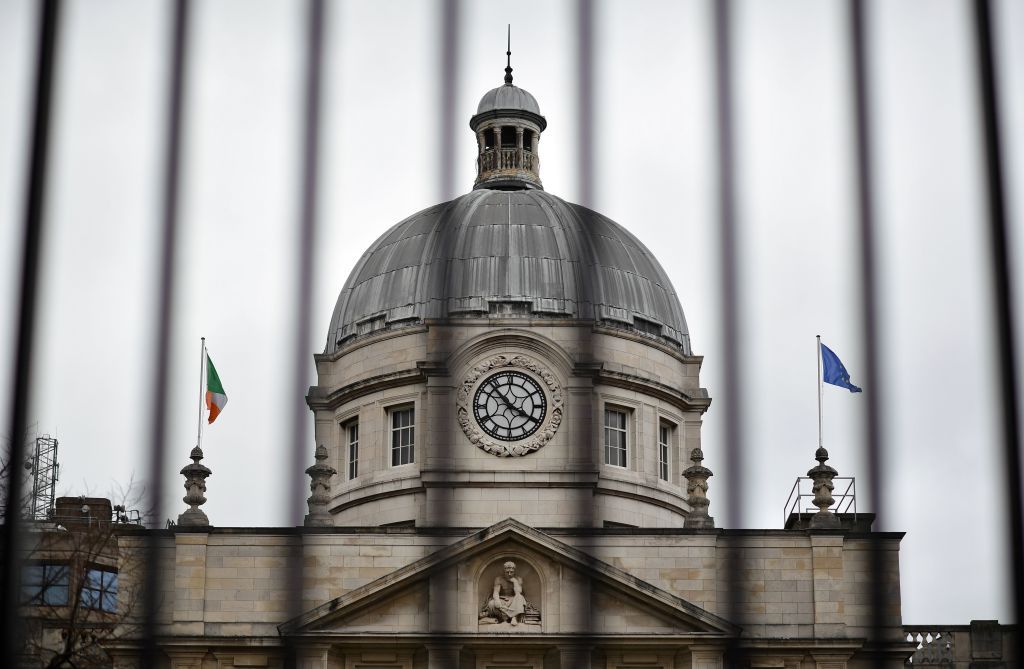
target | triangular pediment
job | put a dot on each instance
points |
(565, 591)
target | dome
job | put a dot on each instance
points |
(521, 253)
(508, 97)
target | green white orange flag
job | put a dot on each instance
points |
(216, 398)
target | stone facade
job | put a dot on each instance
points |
(658, 594)
(508, 380)
(560, 484)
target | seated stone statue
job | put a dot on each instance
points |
(507, 602)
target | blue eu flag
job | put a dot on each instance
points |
(834, 372)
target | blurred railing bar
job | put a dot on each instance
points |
(869, 305)
(304, 269)
(1003, 295)
(446, 653)
(164, 306)
(585, 516)
(35, 200)
(730, 316)
(449, 96)
(585, 101)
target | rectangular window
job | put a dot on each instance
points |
(664, 436)
(44, 584)
(615, 437)
(403, 436)
(99, 590)
(352, 431)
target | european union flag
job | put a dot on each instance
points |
(834, 372)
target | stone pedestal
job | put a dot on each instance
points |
(320, 485)
(697, 490)
(822, 476)
(195, 486)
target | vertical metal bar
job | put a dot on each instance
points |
(442, 497)
(585, 511)
(869, 306)
(21, 383)
(1003, 293)
(164, 305)
(305, 259)
(450, 12)
(730, 317)
(585, 101)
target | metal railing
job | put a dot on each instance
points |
(845, 499)
(735, 444)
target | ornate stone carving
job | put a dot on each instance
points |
(822, 476)
(697, 490)
(195, 487)
(506, 601)
(320, 474)
(515, 448)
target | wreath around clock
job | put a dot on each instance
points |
(540, 435)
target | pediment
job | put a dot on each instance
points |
(558, 589)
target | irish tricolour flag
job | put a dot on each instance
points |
(216, 398)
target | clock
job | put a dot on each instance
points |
(509, 405)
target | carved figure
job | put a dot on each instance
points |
(507, 602)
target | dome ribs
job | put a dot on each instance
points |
(482, 254)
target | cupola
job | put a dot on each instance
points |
(508, 124)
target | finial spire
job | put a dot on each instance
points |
(508, 54)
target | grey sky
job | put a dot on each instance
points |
(655, 175)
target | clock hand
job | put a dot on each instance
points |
(510, 405)
(501, 398)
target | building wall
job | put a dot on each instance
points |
(462, 484)
(233, 584)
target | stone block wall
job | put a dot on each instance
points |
(793, 584)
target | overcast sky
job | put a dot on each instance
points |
(655, 169)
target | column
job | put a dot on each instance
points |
(186, 659)
(830, 660)
(574, 657)
(519, 147)
(706, 657)
(443, 656)
(481, 145)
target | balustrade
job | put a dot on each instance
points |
(934, 646)
(507, 159)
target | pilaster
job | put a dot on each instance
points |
(828, 579)
(188, 610)
(574, 657)
(443, 656)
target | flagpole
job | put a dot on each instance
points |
(202, 368)
(820, 442)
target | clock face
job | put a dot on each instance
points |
(509, 406)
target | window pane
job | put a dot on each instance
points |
(402, 436)
(45, 584)
(55, 595)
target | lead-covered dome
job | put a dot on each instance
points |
(508, 254)
(508, 97)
